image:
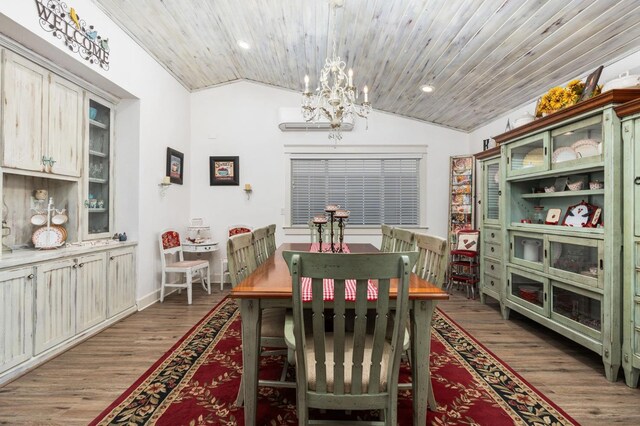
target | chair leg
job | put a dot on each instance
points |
(189, 292)
(240, 398)
(163, 282)
(208, 280)
(221, 274)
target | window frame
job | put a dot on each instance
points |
(339, 151)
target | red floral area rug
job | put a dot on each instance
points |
(196, 383)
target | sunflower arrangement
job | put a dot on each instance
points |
(560, 97)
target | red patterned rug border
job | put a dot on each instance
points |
(539, 394)
(147, 373)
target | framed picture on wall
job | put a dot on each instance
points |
(224, 171)
(175, 166)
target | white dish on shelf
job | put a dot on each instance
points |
(586, 148)
(51, 237)
(38, 219)
(564, 153)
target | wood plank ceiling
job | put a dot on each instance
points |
(484, 57)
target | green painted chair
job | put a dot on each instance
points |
(271, 239)
(387, 243)
(242, 262)
(403, 240)
(431, 266)
(348, 366)
(260, 236)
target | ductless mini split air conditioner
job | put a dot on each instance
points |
(290, 120)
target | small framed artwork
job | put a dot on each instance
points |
(175, 166)
(553, 216)
(595, 220)
(590, 84)
(579, 216)
(224, 171)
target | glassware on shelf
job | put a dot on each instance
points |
(538, 214)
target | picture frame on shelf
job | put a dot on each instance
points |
(579, 215)
(553, 216)
(175, 166)
(224, 171)
(590, 84)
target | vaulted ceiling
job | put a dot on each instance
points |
(483, 57)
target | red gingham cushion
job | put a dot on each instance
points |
(350, 285)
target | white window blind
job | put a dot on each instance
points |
(375, 191)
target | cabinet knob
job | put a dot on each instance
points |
(492, 283)
(112, 258)
(75, 265)
(30, 276)
(81, 265)
(493, 235)
(492, 268)
(492, 249)
(637, 180)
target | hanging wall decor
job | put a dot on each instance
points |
(66, 25)
(224, 171)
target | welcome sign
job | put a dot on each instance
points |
(79, 37)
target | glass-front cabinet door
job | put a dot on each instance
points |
(527, 250)
(527, 289)
(577, 259)
(577, 144)
(529, 155)
(491, 208)
(99, 162)
(577, 308)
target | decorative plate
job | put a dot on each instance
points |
(535, 157)
(564, 154)
(586, 148)
(48, 237)
(578, 215)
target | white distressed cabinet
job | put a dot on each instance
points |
(16, 318)
(41, 120)
(52, 299)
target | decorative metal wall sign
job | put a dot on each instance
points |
(77, 35)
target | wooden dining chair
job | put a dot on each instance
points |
(337, 368)
(170, 245)
(403, 240)
(387, 243)
(431, 266)
(224, 263)
(271, 239)
(242, 262)
(260, 236)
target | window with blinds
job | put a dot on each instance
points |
(375, 191)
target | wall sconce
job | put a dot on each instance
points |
(248, 190)
(166, 182)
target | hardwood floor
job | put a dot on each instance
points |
(77, 385)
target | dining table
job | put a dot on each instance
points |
(270, 285)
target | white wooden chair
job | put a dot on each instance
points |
(170, 245)
(224, 263)
(260, 236)
(404, 240)
(271, 239)
(343, 369)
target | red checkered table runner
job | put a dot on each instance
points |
(350, 285)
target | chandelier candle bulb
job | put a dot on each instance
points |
(350, 77)
(306, 84)
(365, 90)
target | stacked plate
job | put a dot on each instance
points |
(51, 237)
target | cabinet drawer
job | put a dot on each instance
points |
(636, 348)
(492, 283)
(637, 256)
(493, 236)
(493, 267)
(492, 250)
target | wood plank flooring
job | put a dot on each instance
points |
(77, 385)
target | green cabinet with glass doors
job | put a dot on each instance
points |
(630, 115)
(491, 234)
(561, 221)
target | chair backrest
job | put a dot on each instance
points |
(387, 243)
(432, 258)
(242, 257)
(260, 236)
(239, 229)
(271, 239)
(336, 361)
(169, 243)
(404, 240)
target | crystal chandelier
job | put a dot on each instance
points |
(336, 96)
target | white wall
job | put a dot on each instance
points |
(154, 116)
(241, 119)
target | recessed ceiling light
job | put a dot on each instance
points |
(426, 88)
(244, 44)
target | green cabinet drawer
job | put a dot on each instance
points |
(492, 250)
(493, 267)
(492, 283)
(492, 235)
